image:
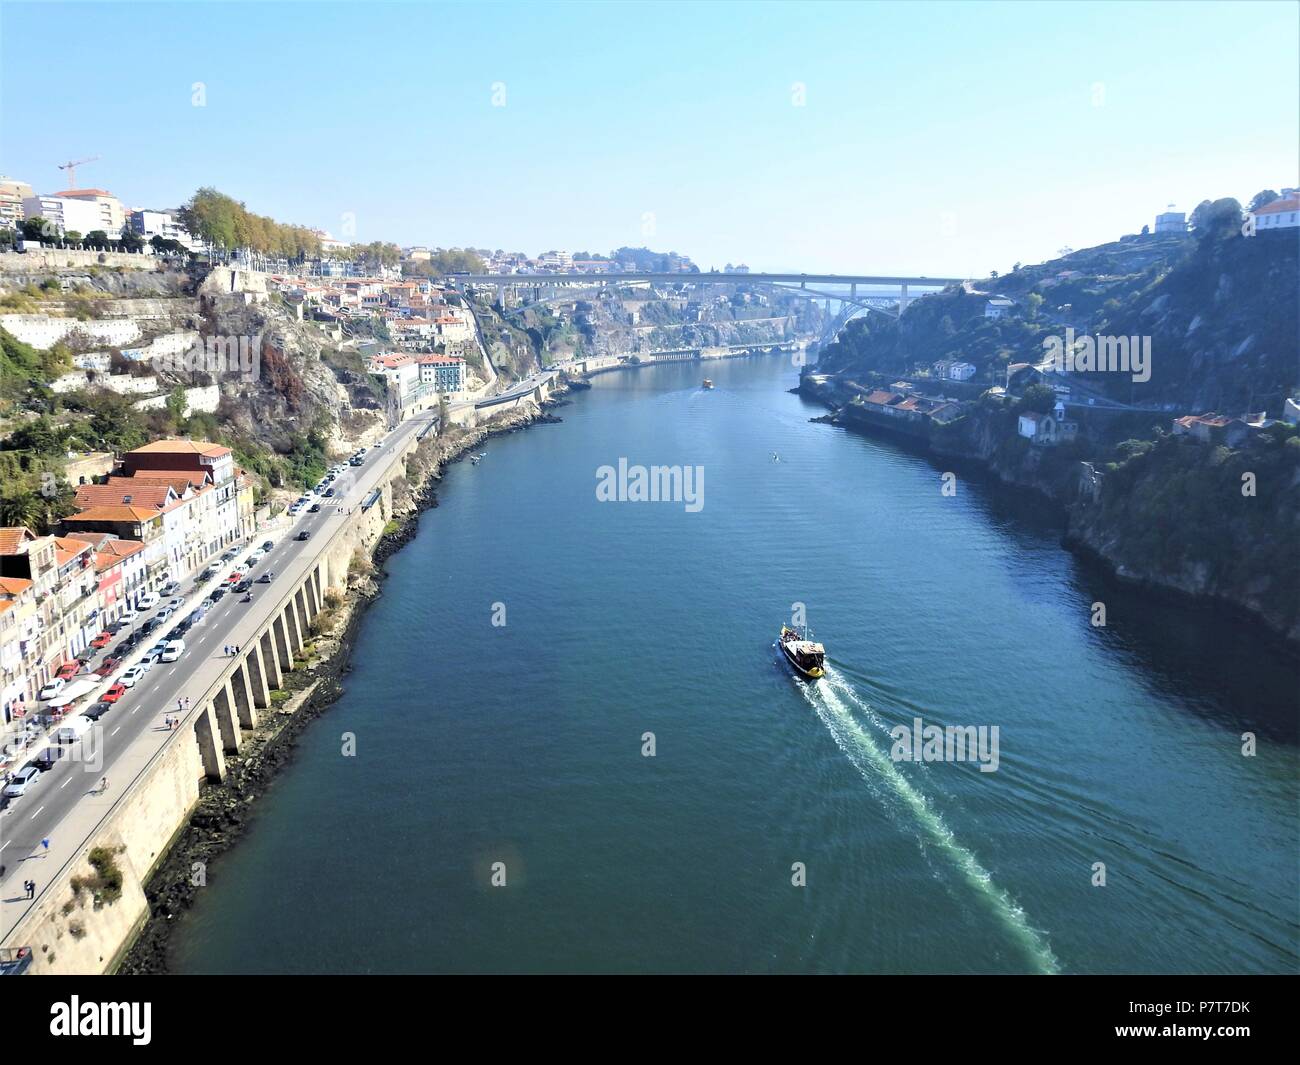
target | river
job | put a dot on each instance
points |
(516, 750)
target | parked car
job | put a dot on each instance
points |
(267, 545)
(23, 779)
(170, 588)
(217, 593)
(114, 693)
(329, 492)
(235, 577)
(107, 666)
(46, 759)
(98, 710)
(68, 670)
(102, 640)
(243, 586)
(176, 602)
(147, 601)
(127, 617)
(133, 676)
(53, 688)
(165, 613)
(207, 574)
(73, 729)
(253, 559)
(173, 651)
(117, 626)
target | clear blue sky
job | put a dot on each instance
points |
(934, 138)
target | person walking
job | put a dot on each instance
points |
(31, 889)
(187, 702)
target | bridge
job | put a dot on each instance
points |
(811, 285)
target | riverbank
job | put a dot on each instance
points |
(225, 810)
(1126, 520)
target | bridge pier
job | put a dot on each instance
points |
(270, 659)
(285, 656)
(214, 762)
(243, 688)
(261, 691)
(224, 708)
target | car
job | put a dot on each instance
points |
(116, 626)
(315, 509)
(217, 593)
(265, 578)
(304, 535)
(127, 617)
(267, 545)
(133, 676)
(228, 555)
(113, 694)
(169, 588)
(174, 603)
(102, 640)
(243, 586)
(173, 651)
(235, 577)
(53, 688)
(60, 711)
(207, 574)
(329, 492)
(68, 670)
(22, 780)
(98, 710)
(107, 666)
(164, 614)
(147, 601)
(149, 626)
(253, 559)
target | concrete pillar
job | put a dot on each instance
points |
(243, 685)
(902, 303)
(214, 762)
(282, 642)
(313, 597)
(269, 661)
(303, 617)
(223, 706)
(291, 627)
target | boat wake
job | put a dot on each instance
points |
(834, 701)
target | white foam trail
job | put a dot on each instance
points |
(872, 762)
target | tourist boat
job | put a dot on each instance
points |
(708, 383)
(807, 657)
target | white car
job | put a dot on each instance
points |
(173, 651)
(147, 601)
(132, 676)
(53, 688)
(128, 616)
(22, 780)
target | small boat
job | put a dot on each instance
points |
(707, 383)
(807, 657)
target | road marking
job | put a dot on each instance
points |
(3, 846)
(65, 783)
(116, 731)
(36, 814)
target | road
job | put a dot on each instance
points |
(65, 806)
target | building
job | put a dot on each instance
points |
(1047, 430)
(1171, 221)
(446, 373)
(1212, 428)
(12, 194)
(149, 224)
(79, 210)
(961, 371)
(998, 307)
(18, 631)
(121, 571)
(162, 458)
(1282, 213)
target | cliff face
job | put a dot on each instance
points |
(1221, 315)
(1205, 521)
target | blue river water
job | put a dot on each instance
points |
(487, 751)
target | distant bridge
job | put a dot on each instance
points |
(875, 300)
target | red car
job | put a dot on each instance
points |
(101, 641)
(235, 578)
(68, 670)
(107, 666)
(114, 693)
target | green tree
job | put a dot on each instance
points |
(1033, 303)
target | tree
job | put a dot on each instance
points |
(38, 229)
(1146, 231)
(1033, 302)
(1217, 220)
(1037, 397)
(97, 238)
(72, 236)
(1262, 199)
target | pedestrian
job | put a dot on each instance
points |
(226, 650)
(180, 704)
(31, 889)
(187, 702)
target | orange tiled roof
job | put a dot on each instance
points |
(181, 447)
(14, 585)
(1291, 203)
(138, 495)
(113, 512)
(178, 479)
(12, 537)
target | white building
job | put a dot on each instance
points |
(149, 224)
(43, 331)
(998, 306)
(1171, 221)
(961, 371)
(79, 210)
(1283, 213)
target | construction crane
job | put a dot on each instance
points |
(71, 167)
